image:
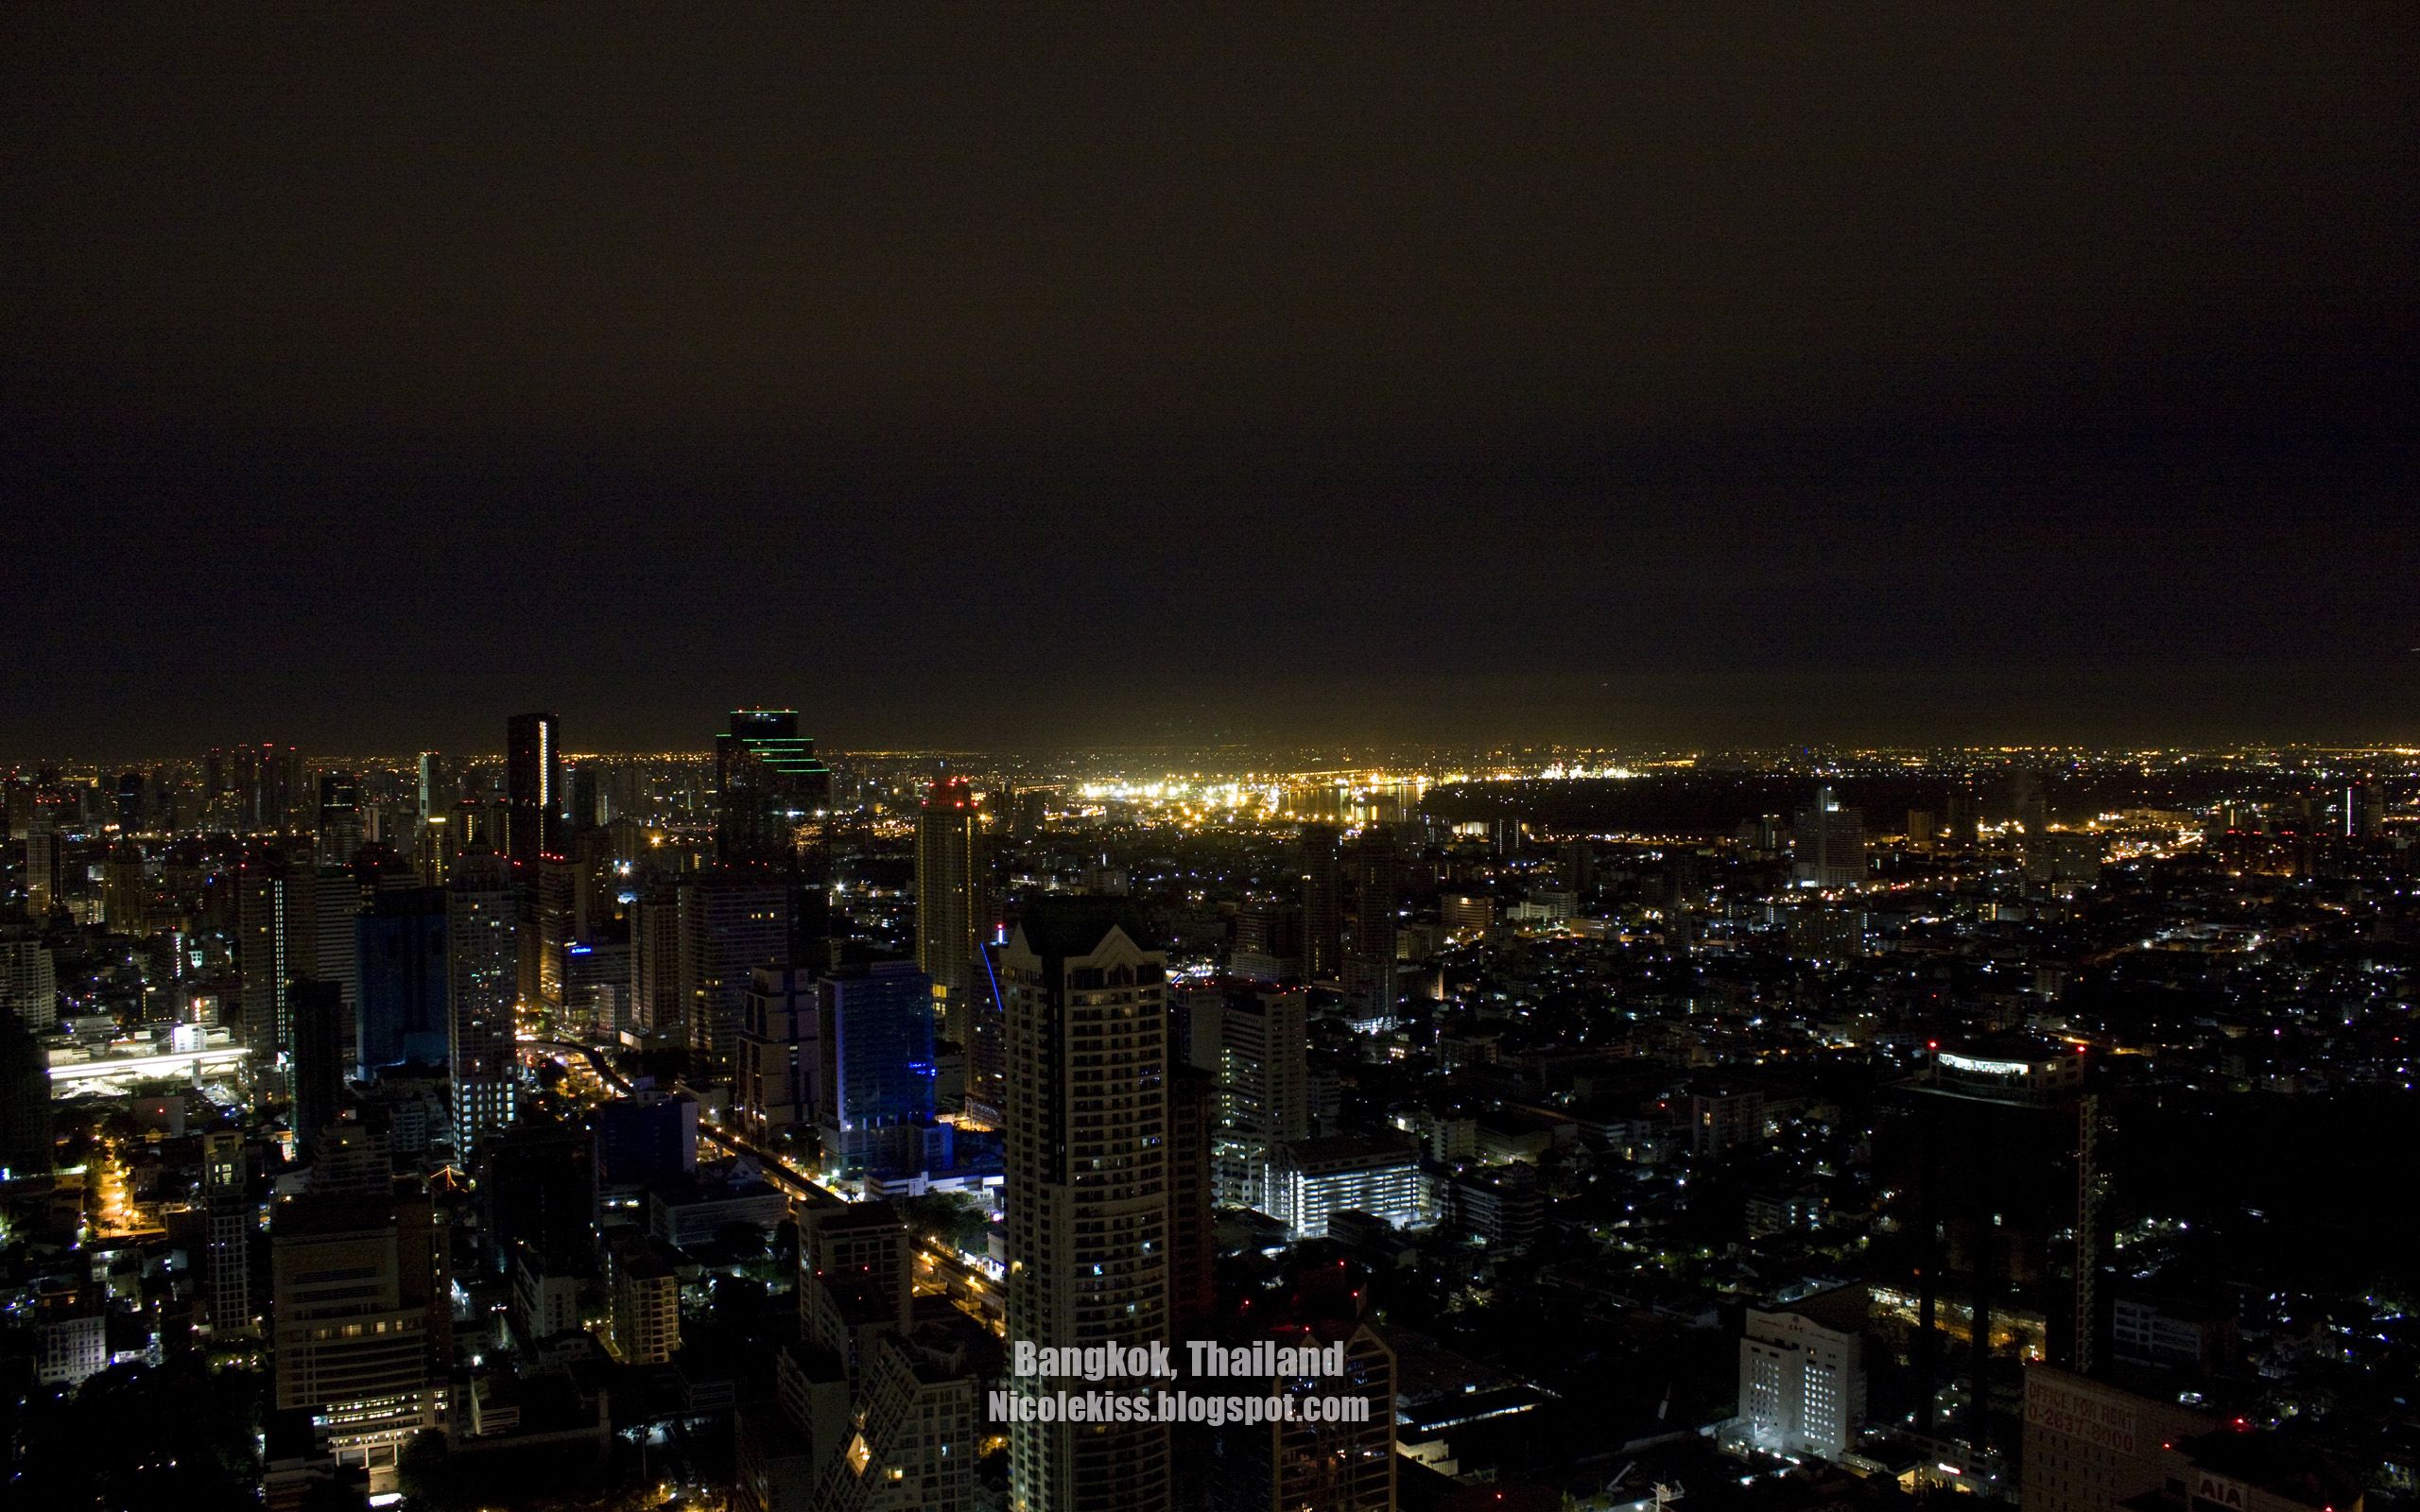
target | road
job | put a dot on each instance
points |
(963, 1282)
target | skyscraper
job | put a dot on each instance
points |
(338, 829)
(273, 905)
(876, 1040)
(42, 874)
(1088, 1239)
(772, 794)
(732, 922)
(1829, 846)
(1323, 904)
(363, 1326)
(400, 981)
(1264, 1087)
(1991, 1212)
(773, 1091)
(28, 984)
(126, 889)
(319, 1061)
(481, 926)
(1373, 974)
(952, 917)
(24, 1102)
(534, 775)
(229, 1222)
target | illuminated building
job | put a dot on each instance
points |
(780, 1046)
(2091, 1446)
(273, 910)
(126, 889)
(338, 831)
(229, 1222)
(363, 1323)
(1323, 904)
(72, 1345)
(952, 917)
(1087, 1183)
(1829, 848)
(1309, 1179)
(772, 795)
(28, 984)
(482, 961)
(643, 1318)
(1990, 1210)
(732, 922)
(1263, 1086)
(876, 1040)
(1801, 1386)
(1373, 970)
(532, 788)
(43, 892)
(1330, 1464)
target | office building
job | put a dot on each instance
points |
(772, 796)
(1193, 1249)
(1801, 1386)
(875, 1035)
(1829, 848)
(275, 928)
(1322, 881)
(953, 915)
(400, 979)
(338, 833)
(732, 922)
(1268, 943)
(643, 1313)
(534, 775)
(1306, 1182)
(1335, 1464)
(1263, 1086)
(1990, 1216)
(319, 1061)
(363, 1323)
(482, 963)
(2091, 1446)
(25, 1148)
(780, 1050)
(653, 1136)
(1373, 970)
(230, 1220)
(43, 875)
(1087, 1183)
(28, 984)
(126, 889)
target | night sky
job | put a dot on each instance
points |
(1729, 373)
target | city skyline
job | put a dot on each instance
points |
(1257, 757)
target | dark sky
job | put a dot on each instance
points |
(1722, 373)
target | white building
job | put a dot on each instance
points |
(73, 1348)
(1802, 1387)
(1306, 1181)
